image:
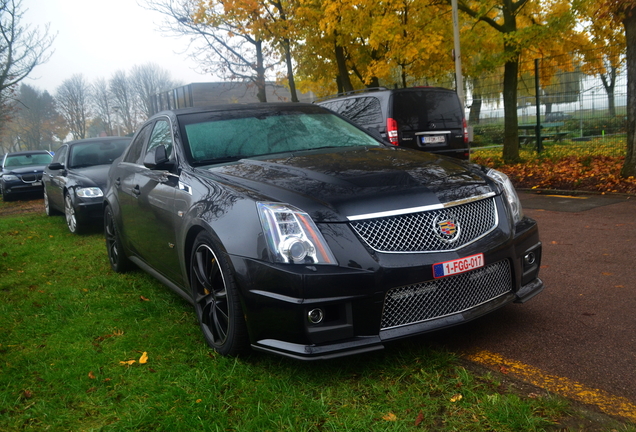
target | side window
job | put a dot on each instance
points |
(365, 111)
(134, 151)
(60, 154)
(161, 136)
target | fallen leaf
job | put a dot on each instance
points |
(390, 417)
(91, 390)
(27, 394)
(419, 419)
(142, 298)
(456, 398)
(607, 274)
(199, 400)
(129, 362)
(503, 369)
(144, 358)
(91, 375)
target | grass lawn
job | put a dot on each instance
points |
(86, 349)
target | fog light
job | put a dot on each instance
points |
(315, 316)
(530, 258)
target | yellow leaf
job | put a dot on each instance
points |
(129, 362)
(144, 358)
(456, 398)
(390, 417)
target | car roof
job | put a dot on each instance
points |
(27, 152)
(99, 139)
(263, 106)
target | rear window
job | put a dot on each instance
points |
(417, 110)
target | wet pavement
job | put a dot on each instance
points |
(583, 325)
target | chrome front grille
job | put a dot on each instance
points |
(420, 231)
(441, 297)
(31, 177)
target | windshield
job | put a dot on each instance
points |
(96, 153)
(211, 140)
(26, 160)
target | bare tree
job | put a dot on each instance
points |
(72, 98)
(22, 48)
(220, 42)
(126, 105)
(103, 105)
(147, 81)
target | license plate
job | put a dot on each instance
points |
(457, 266)
(437, 139)
(37, 183)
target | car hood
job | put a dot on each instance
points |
(336, 184)
(96, 175)
(24, 170)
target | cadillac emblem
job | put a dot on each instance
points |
(447, 228)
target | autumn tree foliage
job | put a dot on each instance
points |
(624, 12)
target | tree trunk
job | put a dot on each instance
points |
(343, 71)
(511, 126)
(290, 71)
(629, 168)
(260, 73)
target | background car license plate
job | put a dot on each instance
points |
(437, 139)
(457, 266)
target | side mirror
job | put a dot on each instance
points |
(56, 166)
(157, 159)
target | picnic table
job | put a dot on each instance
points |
(549, 131)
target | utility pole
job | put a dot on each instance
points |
(459, 80)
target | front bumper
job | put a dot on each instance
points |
(365, 306)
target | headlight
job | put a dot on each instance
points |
(10, 177)
(90, 192)
(509, 193)
(291, 235)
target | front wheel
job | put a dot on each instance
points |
(119, 262)
(216, 300)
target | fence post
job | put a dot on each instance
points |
(538, 103)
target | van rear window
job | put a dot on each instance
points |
(416, 110)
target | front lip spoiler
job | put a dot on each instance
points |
(358, 345)
(529, 291)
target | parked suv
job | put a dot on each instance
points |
(423, 118)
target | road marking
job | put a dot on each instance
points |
(567, 196)
(606, 402)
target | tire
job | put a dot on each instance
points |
(119, 262)
(72, 222)
(216, 300)
(47, 206)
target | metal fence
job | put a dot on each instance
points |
(578, 101)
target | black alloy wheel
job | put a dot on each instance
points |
(216, 301)
(119, 262)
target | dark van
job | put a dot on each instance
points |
(424, 118)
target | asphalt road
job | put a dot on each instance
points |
(583, 325)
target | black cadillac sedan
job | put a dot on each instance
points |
(75, 180)
(21, 173)
(295, 232)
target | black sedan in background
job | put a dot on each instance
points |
(22, 173)
(74, 182)
(293, 231)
